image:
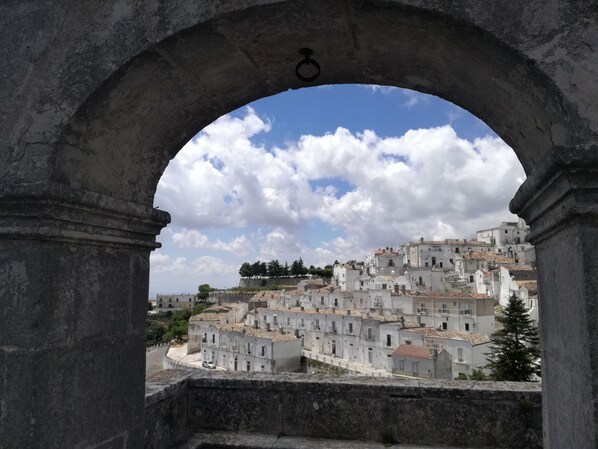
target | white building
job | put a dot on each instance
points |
(504, 280)
(473, 313)
(467, 350)
(237, 347)
(439, 253)
(175, 302)
(385, 261)
(346, 276)
(509, 238)
(422, 361)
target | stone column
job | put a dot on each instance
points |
(74, 271)
(559, 201)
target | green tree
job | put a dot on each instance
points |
(274, 268)
(256, 268)
(514, 352)
(203, 292)
(263, 269)
(245, 270)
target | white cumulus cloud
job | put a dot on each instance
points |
(427, 182)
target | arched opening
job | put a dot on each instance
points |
(255, 183)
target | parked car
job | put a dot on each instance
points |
(208, 365)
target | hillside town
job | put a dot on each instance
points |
(425, 309)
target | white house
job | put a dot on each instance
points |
(237, 347)
(422, 361)
(467, 350)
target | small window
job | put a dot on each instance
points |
(263, 351)
(302, 322)
(402, 365)
(350, 328)
(213, 338)
(444, 326)
(335, 302)
(466, 326)
(388, 340)
(322, 300)
(460, 354)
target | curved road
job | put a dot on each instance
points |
(154, 360)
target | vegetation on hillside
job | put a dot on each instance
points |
(275, 269)
(171, 325)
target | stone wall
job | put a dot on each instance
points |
(268, 282)
(166, 412)
(447, 413)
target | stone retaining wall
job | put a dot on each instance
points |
(447, 413)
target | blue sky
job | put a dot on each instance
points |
(327, 173)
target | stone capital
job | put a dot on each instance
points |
(563, 189)
(56, 212)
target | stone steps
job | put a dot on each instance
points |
(234, 440)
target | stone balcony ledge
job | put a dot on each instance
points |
(404, 411)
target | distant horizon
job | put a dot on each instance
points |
(349, 168)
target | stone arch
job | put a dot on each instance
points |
(96, 99)
(134, 123)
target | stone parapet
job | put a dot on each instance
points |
(445, 413)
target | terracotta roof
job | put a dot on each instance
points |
(518, 267)
(412, 351)
(217, 309)
(458, 242)
(207, 317)
(475, 339)
(249, 331)
(379, 252)
(488, 257)
(452, 295)
(337, 312)
(532, 286)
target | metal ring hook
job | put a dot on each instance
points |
(307, 52)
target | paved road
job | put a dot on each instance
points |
(154, 359)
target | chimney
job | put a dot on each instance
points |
(433, 353)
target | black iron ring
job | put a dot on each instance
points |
(307, 61)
